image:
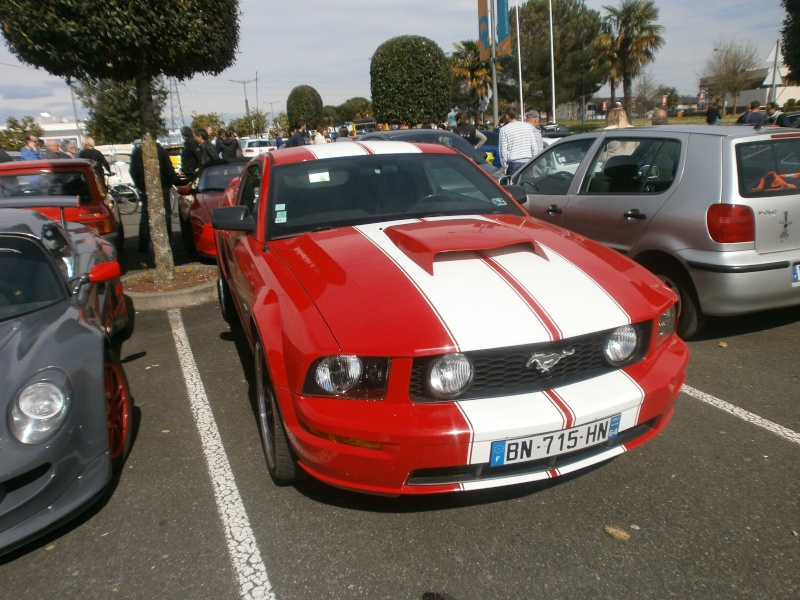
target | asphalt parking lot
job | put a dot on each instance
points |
(709, 509)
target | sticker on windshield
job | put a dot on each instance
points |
(280, 216)
(319, 176)
(280, 207)
(498, 202)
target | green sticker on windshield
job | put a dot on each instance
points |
(280, 216)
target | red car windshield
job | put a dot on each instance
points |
(55, 183)
(324, 194)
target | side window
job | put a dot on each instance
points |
(633, 166)
(554, 169)
(250, 188)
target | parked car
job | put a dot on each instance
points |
(492, 144)
(64, 177)
(415, 332)
(254, 147)
(198, 199)
(709, 210)
(66, 413)
(436, 136)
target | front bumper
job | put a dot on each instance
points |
(395, 446)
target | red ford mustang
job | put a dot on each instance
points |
(415, 332)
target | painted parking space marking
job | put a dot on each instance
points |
(743, 414)
(244, 553)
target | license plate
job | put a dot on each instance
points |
(534, 447)
(796, 274)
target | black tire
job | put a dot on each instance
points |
(691, 317)
(281, 464)
(119, 409)
(226, 307)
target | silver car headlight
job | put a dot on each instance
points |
(621, 345)
(41, 407)
(449, 376)
(348, 376)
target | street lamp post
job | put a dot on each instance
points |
(244, 85)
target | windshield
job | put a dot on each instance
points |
(317, 195)
(216, 178)
(28, 279)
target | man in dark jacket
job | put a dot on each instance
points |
(297, 138)
(167, 175)
(190, 155)
(227, 145)
(207, 150)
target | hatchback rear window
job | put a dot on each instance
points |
(769, 167)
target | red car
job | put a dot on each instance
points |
(415, 332)
(198, 199)
(59, 178)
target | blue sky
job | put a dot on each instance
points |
(328, 45)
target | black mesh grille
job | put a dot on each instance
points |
(505, 371)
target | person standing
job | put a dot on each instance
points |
(297, 138)
(71, 148)
(532, 117)
(190, 155)
(279, 140)
(52, 150)
(468, 131)
(167, 175)
(227, 144)
(753, 115)
(713, 114)
(659, 117)
(207, 150)
(319, 135)
(775, 116)
(517, 144)
(101, 166)
(30, 151)
(344, 135)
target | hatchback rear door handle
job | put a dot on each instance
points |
(634, 214)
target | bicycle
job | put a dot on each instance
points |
(125, 197)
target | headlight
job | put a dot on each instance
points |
(621, 345)
(348, 376)
(41, 407)
(667, 322)
(449, 376)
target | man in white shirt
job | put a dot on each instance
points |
(517, 144)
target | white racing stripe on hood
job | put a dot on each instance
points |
(476, 305)
(575, 302)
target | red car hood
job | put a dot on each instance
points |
(414, 287)
(204, 204)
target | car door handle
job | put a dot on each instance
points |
(634, 214)
(554, 210)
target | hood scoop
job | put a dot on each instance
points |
(422, 241)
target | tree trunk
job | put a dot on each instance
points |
(627, 94)
(165, 266)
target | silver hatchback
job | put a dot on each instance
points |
(713, 211)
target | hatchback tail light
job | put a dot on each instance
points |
(731, 223)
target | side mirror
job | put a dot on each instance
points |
(233, 218)
(100, 273)
(517, 192)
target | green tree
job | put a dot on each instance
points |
(122, 41)
(410, 81)
(201, 121)
(471, 76)
(355, 108)
(114, 110)
(304, 105)
(790, 39)
(575, 27)
(13, 136)
(604, 60)
(635, 38)
(253, 125)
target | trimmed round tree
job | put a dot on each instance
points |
(304, 105)
(410, 81)
(122, 41)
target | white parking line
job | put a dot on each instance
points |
(746, 415)
(245, 556)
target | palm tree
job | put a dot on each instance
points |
(636, 38)
(470, 72)
(604, 59)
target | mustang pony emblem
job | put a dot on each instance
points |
(545, 361)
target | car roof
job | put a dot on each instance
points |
(355, 149)
(46, 164)
(22, 221)
(729, 131)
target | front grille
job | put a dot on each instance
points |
(505, 371)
